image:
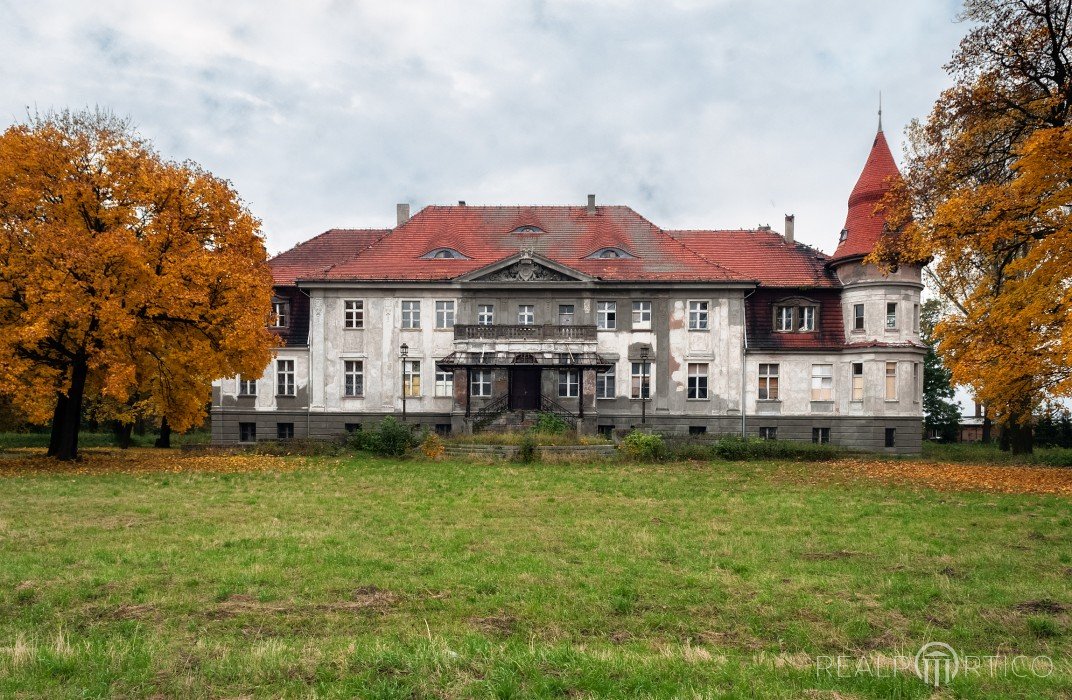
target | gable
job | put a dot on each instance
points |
(526, 267)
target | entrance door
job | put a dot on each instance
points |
(524, 388)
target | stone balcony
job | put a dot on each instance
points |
(526, 334)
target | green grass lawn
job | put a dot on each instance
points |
(373, 578)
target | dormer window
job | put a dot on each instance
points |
(844, 234)
(795, 316)
(611, 253)
(444, 254)
(527, 229)
(280, 314)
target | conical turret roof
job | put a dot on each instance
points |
(863, 227)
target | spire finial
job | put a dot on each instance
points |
(880, 110)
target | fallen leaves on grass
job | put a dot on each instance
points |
(30, 462)
(948, 477)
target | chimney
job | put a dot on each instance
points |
(402, 210)
(591, 204)
(790, 221)
(461, 202)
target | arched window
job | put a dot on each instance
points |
(611, 253)
(444, 254)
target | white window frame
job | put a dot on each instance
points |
(411, 378)
(822, 382)
(606, 383)
(767, 390)
(858, 321)
(280, 314)
(783, 318)
(444, 383)
(857, 380)
(244, 386)
(353, 378)
(642, 315)
(526, 314)
(699, 315)
(444, 313)
(565, 318)
(891, 318)
(569, 383)
(353, 314)
(285, 384)
(807, 318)
(697, 381)
(768, 433)
(480, 383)
(606, 315)
(485, 314)
(640, 380)
(891, 381)
(411, 314)
(820, 436)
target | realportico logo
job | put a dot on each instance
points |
(937, 663)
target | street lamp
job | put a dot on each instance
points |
(644, 350)
(404, 350)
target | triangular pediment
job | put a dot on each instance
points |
(526, 267)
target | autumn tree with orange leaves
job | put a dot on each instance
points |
(122, 275)
(987, 196)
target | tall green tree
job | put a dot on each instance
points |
(941, 413)
(985, 197)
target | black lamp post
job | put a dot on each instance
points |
(404, 350)
(644, 350)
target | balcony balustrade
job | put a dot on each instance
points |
(525, 333)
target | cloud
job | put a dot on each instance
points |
(697, 114)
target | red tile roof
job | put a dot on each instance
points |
(567, 235)
(315, 257)
(863, 227)
(762, 255)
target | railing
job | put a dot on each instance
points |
(529, 333)
(549, 405)
(490, 411)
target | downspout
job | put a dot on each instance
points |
(308, 344)
(744, 354)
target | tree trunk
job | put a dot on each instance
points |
(987, 429)
(72, 413)
(1020, 438)
(165, 435)
(122, 434)
(57, 424)
(1004, 437)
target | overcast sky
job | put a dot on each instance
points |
(325, 114)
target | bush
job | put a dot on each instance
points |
(299, 446)
(526, 449)
(549, 424)
(432, 446)
(390, 439)
(646, 447)
(692, 451)
(737, 449)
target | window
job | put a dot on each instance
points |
(697, 430)
(891, 314)
(891, 437)
(411, 377)
(641, 315)
(606, 315)
(641, 376)
(768, 382)
(565, 314)
(891, 381)
(526, 314)
(768, 433)
(697, 381)
(820, 436)
(915, 318)
(284, 431)
(444, 254)
(698, 315)
(353, 374)
(411, 314)
(605, 384)
(280, 314)
(444, 314)
(351, 427)
(480, 382)
(807, 318)
(485, 314)
(857, 317)
(822, 382)
(442, 429)
(444, 383)
(353, 313)
(857, 381)
(284, 377)
(247, 387)
(783, 318)
(917, 389)
(568, 383)
(247, 432)
(605, 431)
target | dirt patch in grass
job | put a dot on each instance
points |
(943, 477)
(1051, 607)
(499, 625)
(368, 599)
(830, 556)
(95, 461)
